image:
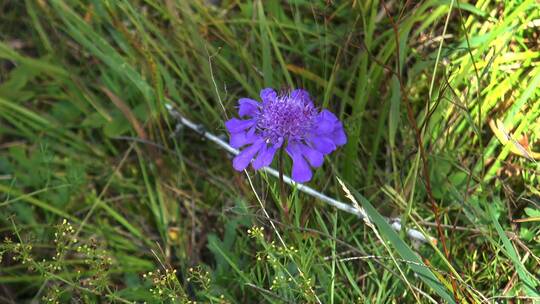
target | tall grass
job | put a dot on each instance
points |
(439, 100)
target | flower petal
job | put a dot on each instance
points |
(326, 122)
(302, 95)
(323, 126)
(242, 160)
(314, 157)
(323, 144)
(327, 115)
(266, 155)
(236, 125)
(240, 139)
(338, 136)
(301, 172)
(248, 107)
(268, 94)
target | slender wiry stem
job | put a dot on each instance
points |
(419, 140)
(282, 193)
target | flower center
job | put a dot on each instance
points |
(287, 117)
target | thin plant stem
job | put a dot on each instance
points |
(419, 141)
(282, 193)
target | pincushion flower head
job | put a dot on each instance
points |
(290, 120)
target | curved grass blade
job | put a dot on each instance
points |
(405, 252)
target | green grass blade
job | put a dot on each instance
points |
(527, 279)
(404, 251)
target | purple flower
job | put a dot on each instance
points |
(289, 119)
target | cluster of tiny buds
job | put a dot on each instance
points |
(21, 252)
(256, 232)
(165, 284)
(261, 255)
(280, 281)
(64, 236)
(200, 276)
(52, 296)
(283, 250)
(92, 253)
(308, 287)
(272, 260)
